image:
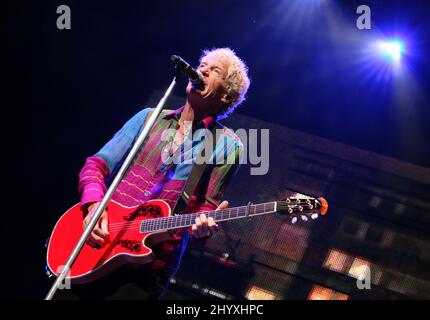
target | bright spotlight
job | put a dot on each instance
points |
(391, 50)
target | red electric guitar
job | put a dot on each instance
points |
(133, 230)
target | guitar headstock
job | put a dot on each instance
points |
(303, 208)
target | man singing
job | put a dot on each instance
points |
(149, 177)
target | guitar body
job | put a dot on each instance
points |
(126, 244)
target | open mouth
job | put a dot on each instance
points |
(200, 86)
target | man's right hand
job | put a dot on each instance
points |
(100, 234)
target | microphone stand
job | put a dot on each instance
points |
(121, 172)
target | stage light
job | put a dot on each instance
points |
(392, 50)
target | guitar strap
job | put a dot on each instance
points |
(196, 172)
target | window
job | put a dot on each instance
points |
(322, 293)
(256, 293)
(375, 234)
(360, 268)
(337, 261)
(375, 201)
(291, 241)
(399, 208)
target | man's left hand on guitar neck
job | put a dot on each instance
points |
(206, 227)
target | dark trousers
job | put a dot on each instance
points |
(125, 283)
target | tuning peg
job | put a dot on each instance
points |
(290, 210)
(304, 218)
(310, 207)
(300, 208)
(314, 216)
(294, 220)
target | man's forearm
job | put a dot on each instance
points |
(91, 180)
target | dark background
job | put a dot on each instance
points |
(68, 91)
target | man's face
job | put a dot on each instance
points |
(213, 98)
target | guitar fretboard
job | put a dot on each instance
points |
(186, 220)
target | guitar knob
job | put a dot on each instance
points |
(304, 218)
(314, 216)
(294, 220)
(48, 272)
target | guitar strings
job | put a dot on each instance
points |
(166, 222)
(230, 210)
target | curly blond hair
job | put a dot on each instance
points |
(237, 77)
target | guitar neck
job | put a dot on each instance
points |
(187, 220)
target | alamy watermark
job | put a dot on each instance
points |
(253, 148)
(364, 281)
(64, 20)
(66, 283)
(364, 21)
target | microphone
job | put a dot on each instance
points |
(194, 75)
